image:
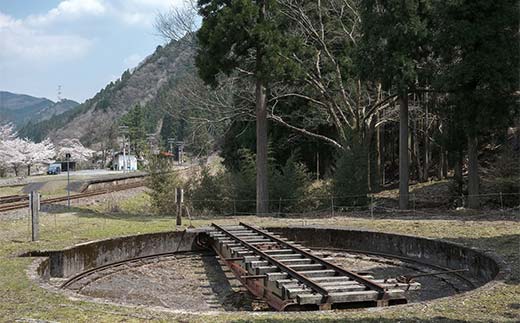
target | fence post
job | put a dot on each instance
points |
(180, 199)
(279, 206)
(332, 206)
(413, 203)
(501, 202)
(234, 207)
(372, 206)
(34, 207)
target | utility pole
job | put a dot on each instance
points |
(67, 157)
(124, 130)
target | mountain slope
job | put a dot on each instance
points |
(21, 108)
(92, 121)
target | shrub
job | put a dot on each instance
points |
(162, 183)
(289, 186)
(243, 182)
(350, 186)
(211, 193)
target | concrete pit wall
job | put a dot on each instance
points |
(482, 267)
(76, 259)
(79, 258)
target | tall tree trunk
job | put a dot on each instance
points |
(473, 177)
(380, 172)
(426, 140)
(441, 162)
(403, 151)
(417, 152)
(262, 193)
(457, 171)
(445, 165)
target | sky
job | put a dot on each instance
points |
(80, 45)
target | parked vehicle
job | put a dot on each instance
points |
(54, 169)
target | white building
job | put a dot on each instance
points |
(128, 162)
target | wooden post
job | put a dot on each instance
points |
(372, 206)
(180, 199)
(332, 206)
(280, 206)
(34, 207)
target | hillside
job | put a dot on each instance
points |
(92, 121)
(21, 108)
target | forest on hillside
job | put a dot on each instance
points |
(366, 93)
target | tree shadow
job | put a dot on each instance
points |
(226, 297)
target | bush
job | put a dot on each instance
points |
(235, 192)
(162, 183)
(211, 193)
(350, 186)
(243, 183)
(289, 187)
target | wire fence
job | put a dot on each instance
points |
(115, 211)
(373, 203)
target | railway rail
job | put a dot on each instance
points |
(8, 206)
(290, 277)
(13, 198)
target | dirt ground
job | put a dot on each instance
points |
(199, 282)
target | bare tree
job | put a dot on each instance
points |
(178, 23)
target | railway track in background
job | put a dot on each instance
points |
(13, 198)
(7, 205)
(290, 277)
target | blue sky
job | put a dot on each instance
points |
(79, 44)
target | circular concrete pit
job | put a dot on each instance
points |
(171, 271)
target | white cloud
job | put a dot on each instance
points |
(20, 41)
(142, 12)
(69, 10)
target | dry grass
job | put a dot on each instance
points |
(22, 298)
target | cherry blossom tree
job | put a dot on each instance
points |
(9, 155)
(77, 151)
(36, 153)
(17, 152)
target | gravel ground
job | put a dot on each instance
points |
(194, 282)
(198, 282)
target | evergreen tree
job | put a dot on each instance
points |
(477, 42)
(135, 120)
(394, 44)
(243, 34)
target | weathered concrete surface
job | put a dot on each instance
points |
(104, 183)
(482, 267)
(76, 259)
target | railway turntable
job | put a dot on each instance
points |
(291, 277)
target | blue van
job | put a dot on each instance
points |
(54, 169)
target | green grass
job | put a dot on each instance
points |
(10, 190)
(22, 298)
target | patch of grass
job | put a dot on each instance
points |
(22, 298)
(10, 190)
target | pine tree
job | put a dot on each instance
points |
(243, 34)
